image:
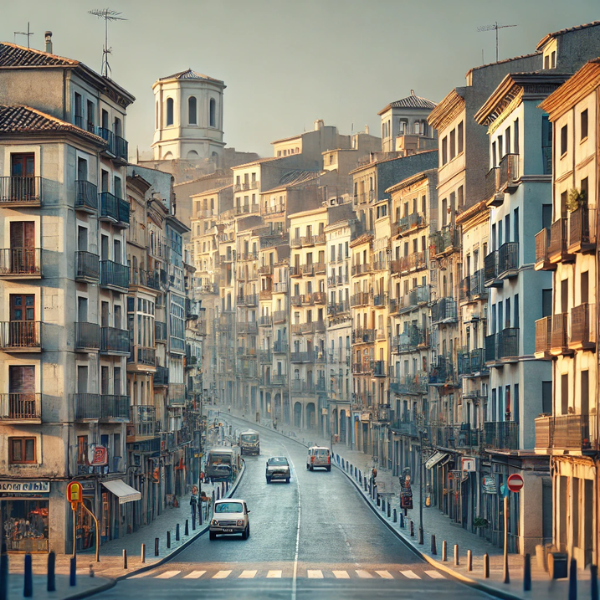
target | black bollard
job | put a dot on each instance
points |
(143, 553)
(360, 477)
(594, 581)
(527, 573)
(187, 528)
(168, 539)
(51, 583)
(469, 560)
(3, 574)
(388, 510)
(444, 551)
(382, 504)
(573, 580)
(378, 500)
(124, 559)
(486, 566)
(412, 528)
(177, 536)
(402, 519)
(73, 571)
(156, 542)
(395, 516)
(218, 497)
(28, 578)
(456, 557)
(433, 545)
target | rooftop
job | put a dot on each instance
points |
(190, 74)
(412, 101)
(549, 36)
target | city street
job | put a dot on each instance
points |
(312, 538)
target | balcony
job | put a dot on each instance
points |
(87, 267)
(365, 367)
(265, 321)
(20, 336)
(508, 174)
(380, 368)
(412, 339)
(363, 336)
(109, 137)
(20, 263)
(454, 436)
(148, 279)
(142, 422)
(145, 357)
(583, 327)
(86, 196)
(501, 435)
(296, 300)
(557, 247)
(444, 311)
(280, 347)
(543, 338)
(361, 269)
(542, 245)
(176, 394)
(279, 317)
(405, 426)
(307, 240)
(410, 384)
(265, 270)
(360, 299)
(121, 148)
(265, 357)
(444, 241)
(319, 239)
(249, 327)
(544, 433)
(306, 300)
(472, 364)
(192, 311)
(582, 230)
(307, 270)
(295, 271)
(298, 357)
(87, 337)
(160, 331)
(296, 242)
(250, 300)
(490, 270)
(319, 297)
(114, 341)
(21, 408)
(508, 260)
(442, 372)
(16, 191)
(114, 276)
(502, 346)
(492, 179)
(96, 407)
(161, 377)
(575, 433)
(279, 379)
(558, 341)
(380, 300)
(411, 223)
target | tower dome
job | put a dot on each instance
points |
(188, 117)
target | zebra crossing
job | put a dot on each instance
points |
(279, 574)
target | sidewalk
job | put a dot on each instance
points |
(110, 568)
(438, 524)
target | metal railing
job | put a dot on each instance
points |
(557, 245)
(20, 335)
(543, 334)
(20, 262)
(567, 432)
(142, 420)
(20, 407)
(582, 227)
(491, 183)
(114, 274)
(87, 266)
(109, 137)
(146, 356)
(23, 190)
(380, 368)
(504, 344)
(542, 245)
(360, 299)
(501, 435)
(86, 195)
(161, 376)
(509, 172)
(508, 257)
(279, 316)
(265, 321)
(97, 406)
(583, 325)
(442, 372)
(280, 347)
(490, 268)
(410, 384)
(363, 336)
(87, 336)
(113, 340)
(560, 324)
(444, 310)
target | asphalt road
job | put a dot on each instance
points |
(312, 538)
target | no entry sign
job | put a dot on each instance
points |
(515, 482)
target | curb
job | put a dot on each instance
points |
(492, 591)
(98, 590)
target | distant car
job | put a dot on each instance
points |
(318, 456)
(230, 516)
(278, 467)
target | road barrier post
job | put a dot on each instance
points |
(395, 516)
(143, 553)
(177, 534)
(51, 583)
(486, 566)
(573, 580)
(444, 551)
(433, 545)
(456, 557)
(28, 578)
(469, 560)
(124, 558)
(73, 571)
(594, 581)
(187, 528)
(402, 519)
(168, 539)
(156, 543)
(412, 528)
(527, 573)
(388, 510)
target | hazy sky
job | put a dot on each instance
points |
(289, 62)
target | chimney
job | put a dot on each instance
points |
(48, 37)
(367, 129)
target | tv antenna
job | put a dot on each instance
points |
(495, 28)
(27, 33)
(108, 15)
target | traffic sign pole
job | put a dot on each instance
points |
(514, 483)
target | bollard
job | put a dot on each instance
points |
(218, 497)
(92, 574)
(573, 580)
(444, 551)
(168, 539)
(28, 578)
(143, 553)
(360, 477)
(375, 493)
(343, 468)
(527, 573)
(402, 519)
(378, 500)
(156, 542)
(73, 571)
(433, 545)
(382, 504)
(213, 499)
(365, 484)
(3, 574)
(388, 510)
(412, 528)
(594, 581)
(395, 516)
(124, 559)
(51, 583)
(456, 557)
(486, 566)
(187, 528)
(469, 560)
(177, 535)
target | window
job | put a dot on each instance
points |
(212, 113)
(516, 143)
(461, 196)
(444, 150)
(584, 124)
(192, 119)
(452, 144)
(169, 121)
(563, 140)
(21, 450)
(461, 136)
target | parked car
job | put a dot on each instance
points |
(278, 467)
(223, 463)
(318, 456)
(230, 516)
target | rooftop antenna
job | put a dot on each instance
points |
(495, 28)
(27, 33)
(108, 15)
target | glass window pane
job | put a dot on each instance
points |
(30, 450)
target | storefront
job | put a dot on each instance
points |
(25, 510)
(115, 494)
(86, 527)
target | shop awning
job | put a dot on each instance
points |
(125, 493)
(435, 459)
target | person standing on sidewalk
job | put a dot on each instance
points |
(194, 504)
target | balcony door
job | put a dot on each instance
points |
(22, 321)
(22, 247)
(21, 392)
(22, 171)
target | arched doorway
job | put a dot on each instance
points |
(298, 414)
(311, 417)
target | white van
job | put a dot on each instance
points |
(318, 456)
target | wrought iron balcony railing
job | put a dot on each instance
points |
(21, 190)
(87, 336)
(20, 407)
(101, 407)
(20, 336)
(87, 266)
(21, 263)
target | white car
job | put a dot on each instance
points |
(230, 516)
(318, 456)
(278, 467)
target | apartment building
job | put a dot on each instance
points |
(566, 247)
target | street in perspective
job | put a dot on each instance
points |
(298, 300)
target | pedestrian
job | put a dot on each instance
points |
(373, 475)
(194, 504)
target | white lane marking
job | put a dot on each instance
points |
(364, 574)
(314, 574)
(248, 575)
(410, 574)
(341, 574)
(140, 575)
(274, 574)
(194, 575)
(435, 575)
(295, 573)
(384, 574)
(167, 575)
(221, 575)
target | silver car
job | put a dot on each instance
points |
(278, 467)
(230, 516)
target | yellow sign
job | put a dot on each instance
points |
(74, 492)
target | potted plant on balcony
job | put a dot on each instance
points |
(576, 199)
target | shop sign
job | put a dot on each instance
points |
(100, 457)
(468, 464)
(89, 487)
(25, 487)
(489, 484)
